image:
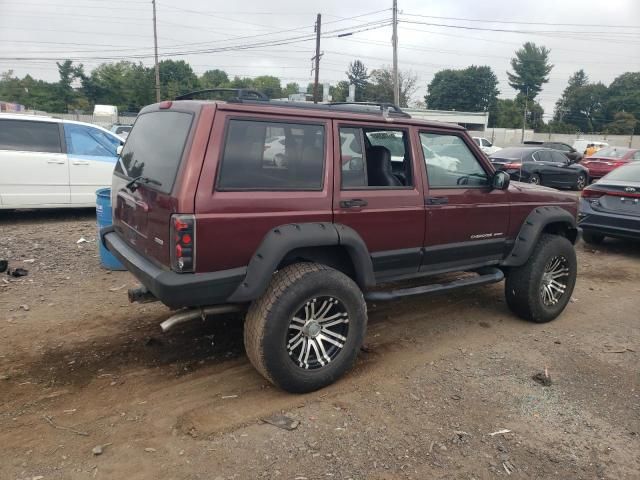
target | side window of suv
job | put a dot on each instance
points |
(374, 158)
(263, 155)
(450, 163)
(29, 136)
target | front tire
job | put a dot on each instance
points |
(305, 331)
(535, 179)
(540, 289)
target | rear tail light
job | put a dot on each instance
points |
(183, 243)
(619, 164)
(590, 194)
(515, 165)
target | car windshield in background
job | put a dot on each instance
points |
(154, 148)
(612, 152)
(628, 173)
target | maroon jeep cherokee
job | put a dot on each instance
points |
(295, 212)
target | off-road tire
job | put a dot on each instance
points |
(523, 284)
(267, 323)
(592, 238)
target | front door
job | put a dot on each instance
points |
(92, 157)
(378, 193)
(467, 220)
(33, 166)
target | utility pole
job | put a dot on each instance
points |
(316, 58)
(394, 42)
(155, 48)
(524, 117)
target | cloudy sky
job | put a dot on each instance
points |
(276, 36)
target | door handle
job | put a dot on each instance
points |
(437, 200)
(80, 163)
(354, 203)
(56, 162)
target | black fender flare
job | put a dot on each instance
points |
(533, 227)
(284, 238)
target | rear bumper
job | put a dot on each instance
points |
(175, 290)
(609, 224)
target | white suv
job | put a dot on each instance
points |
(485, 145)
(51, 163)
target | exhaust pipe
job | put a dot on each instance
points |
(193, 313)
(140, 295)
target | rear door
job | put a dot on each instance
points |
(33, 166)
(467, 220)
(156, 150)
(92, 157)
(378, 193)
(242, 193)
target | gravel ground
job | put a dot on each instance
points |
(440, 375)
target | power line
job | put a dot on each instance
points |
(528, 32)
(521, 22)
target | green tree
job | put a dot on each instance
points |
(129, 86)
(340, 91)
(473, 89)
(508, 114)
(68, 73)
(176, 78)
(586, 107)
(576, 81)
(380, 87)
(624, 96)
(624, 123)
(531, 70)
(214, 79)
(269, 85)
(358, 76)
(290, 89)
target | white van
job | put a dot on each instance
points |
(581, 145)
(51, 163)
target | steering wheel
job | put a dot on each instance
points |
(463, 181)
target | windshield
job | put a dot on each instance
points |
(154, 148)
(611, 152)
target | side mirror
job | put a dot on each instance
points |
(119, 149)
(501, 180)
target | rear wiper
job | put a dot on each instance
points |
(135, 183)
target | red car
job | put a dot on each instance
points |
(608, 159)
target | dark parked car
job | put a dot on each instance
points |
(541, 166)
(611, 206)
(209, 227)
(571, 153)
(608, 159)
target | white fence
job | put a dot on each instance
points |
(506, 137)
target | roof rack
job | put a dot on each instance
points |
(384, 107)
(241, 94)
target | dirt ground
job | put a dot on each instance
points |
(81, 368)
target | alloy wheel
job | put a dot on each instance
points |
(554, 280)
(317, 332)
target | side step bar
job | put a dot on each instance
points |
(486, 275)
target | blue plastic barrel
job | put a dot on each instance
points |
(103, 215)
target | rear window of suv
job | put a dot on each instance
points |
(154, 148)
